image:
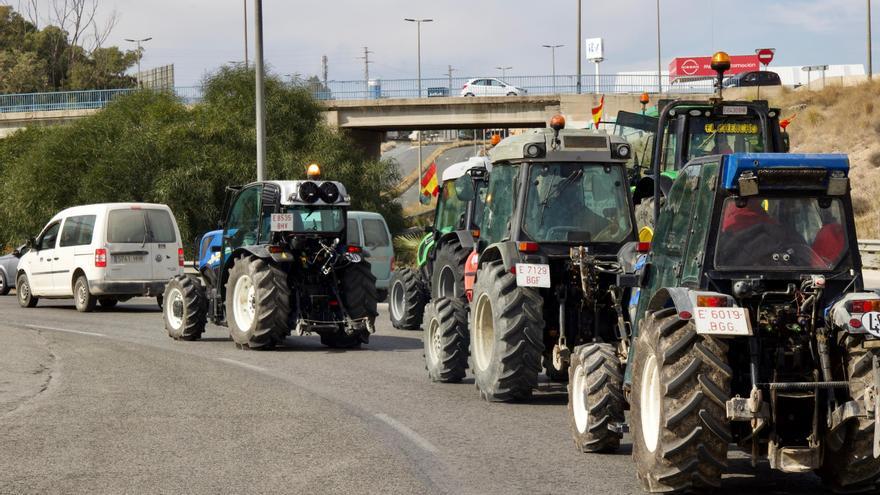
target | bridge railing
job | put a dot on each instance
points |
(375, 89)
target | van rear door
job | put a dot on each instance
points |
(377, 241)
(163, 244)
(128, 249)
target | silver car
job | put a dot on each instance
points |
(8, 268)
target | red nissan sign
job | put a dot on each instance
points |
(765, 55)
(694, 68)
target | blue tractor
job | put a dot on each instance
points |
(278, 265)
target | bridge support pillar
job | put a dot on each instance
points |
(370, 142)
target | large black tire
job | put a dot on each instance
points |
(4, 284)
(406, 299)
(446, 339)
(447, 280)
(506, 335)
(186, 314)
(680, 438)
(359, 293)
(262, 322)
(852, 468)
(83, 298)
(26, 298)
(595, 398)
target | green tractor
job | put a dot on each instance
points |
(544, 276)
(689, 129)
(751, 327)
(442, 251)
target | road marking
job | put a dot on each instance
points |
(407, 432)
(54, 329)
(243, 365)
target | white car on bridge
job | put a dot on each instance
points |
(488, 86)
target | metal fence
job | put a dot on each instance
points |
(377, 89)
(80, 100)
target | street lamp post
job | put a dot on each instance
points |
(419, 65)
(553, 61)
(261, 97)
(503, 70)
(659, 70)
(140, 54)
(579, 42)
(870, 58)
(245, 35)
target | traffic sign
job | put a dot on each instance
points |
(811, 68)
(765, 55)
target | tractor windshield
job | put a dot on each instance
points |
(577, 202)
(722, 136)
(781, 233)
(311, 219)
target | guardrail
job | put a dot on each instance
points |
(870, 251)
(374, 89)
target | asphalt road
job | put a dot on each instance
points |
(107, 403)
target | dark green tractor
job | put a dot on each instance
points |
(442, 251)
(752, 328)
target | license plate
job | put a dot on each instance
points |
(871, 323)
(282, 222)
(734, 110)
(729, 322)
(532, 275)
(127, 258)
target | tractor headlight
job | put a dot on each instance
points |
(622, 151)
(329, 192)
(533, 150)
(309, 192)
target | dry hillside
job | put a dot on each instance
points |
(842, 120)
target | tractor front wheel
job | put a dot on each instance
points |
(446, 339)
(506, 335)
(257, 303)
(186, 313)
(406, 301)
(595, 398)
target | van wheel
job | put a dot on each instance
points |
(4, 285)
(23, 288)
(108, 302)
(83, 298)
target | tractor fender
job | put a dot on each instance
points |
(463, 237)
(681, 298)
(840, 317)
(258, 250)
(506, 251)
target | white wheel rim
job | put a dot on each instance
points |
(579, 399)
(81, 294)
(434, 342)
(173, 320)
(398, 302)
(484, 333)
(651, 403)
(24, 290)
(244, 302)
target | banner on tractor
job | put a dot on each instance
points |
(696, 68)
(429, 185)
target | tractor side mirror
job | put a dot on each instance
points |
(16, 253)
(32, 244)
(464, 188)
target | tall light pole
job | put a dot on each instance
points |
(419, 64)
(870, 58)
(553, 61)
(244, 2)
(261, 98)
(503, 70)
(659, 70)
(140, 54)
(579, 42)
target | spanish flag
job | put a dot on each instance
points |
(429, 184)
(597, 112)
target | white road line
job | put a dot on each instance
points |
(243, 365)
(407, 432)
(67, 330)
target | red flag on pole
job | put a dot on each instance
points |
(597, 112)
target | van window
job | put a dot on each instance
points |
(161, 226)
(140, 226)
(354, 233)
(375, 234)
(77, 231)
(47, 240)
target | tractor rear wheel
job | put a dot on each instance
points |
(359, 293)
(852, 468)
(186, 313)
(448, 277)
(446, 339)
(506, 336)
(257, 303)
(681, 384)
(406, 301)
(595, 398)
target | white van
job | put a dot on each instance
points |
(369, 230)
(102, 253)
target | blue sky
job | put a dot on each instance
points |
(475, 36)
